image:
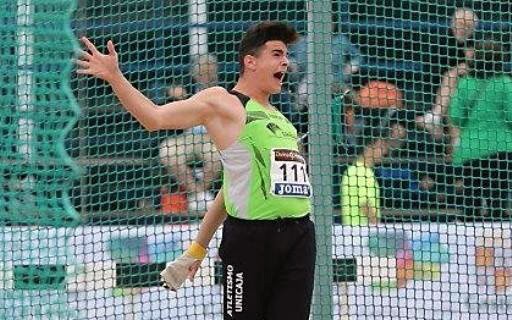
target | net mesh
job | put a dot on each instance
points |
(403, 109)
(39, 111)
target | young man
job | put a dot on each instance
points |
(268, 245)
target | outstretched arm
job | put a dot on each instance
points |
(182, 114)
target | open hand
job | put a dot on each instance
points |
(97, 64)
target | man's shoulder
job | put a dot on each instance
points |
(221, 103)
(218, 97)
(212, 92)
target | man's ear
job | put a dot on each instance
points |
(250, 62)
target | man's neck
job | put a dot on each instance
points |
(248, 88)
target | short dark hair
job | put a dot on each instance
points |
(257, 35)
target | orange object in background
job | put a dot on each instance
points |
(173, 203)
(484, 257)
(502, 279)
(379, 94)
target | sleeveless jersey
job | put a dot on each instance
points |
(265, 177)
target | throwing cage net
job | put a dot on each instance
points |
(404, 109)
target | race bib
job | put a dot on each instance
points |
(288, 174)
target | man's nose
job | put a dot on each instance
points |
(286, 61)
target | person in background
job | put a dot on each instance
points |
(366, 112)
(177, 153)
(176, 92)
(360, 190)
(481, 109)
(449, 60)
(346, 60)
(419, 184)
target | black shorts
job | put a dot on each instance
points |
(268, 268)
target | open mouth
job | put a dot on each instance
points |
(279, 76)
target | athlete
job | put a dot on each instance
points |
(268, 240)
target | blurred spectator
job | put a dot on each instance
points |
(439, 54)
(420, 184)
(360, 190)
(346, 60)
(181, 154)
(364, 114)
(482, 110)
(176, 92)
(449, 61)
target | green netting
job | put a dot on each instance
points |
(38, 111)
(404, 112)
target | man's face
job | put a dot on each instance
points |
(269, 66)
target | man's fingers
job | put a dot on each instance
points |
(83, 64)
(89, 45)
(84, 54)
(111, 48)
(192, 274)
(84, 71)
(166, 286)
(192, 270)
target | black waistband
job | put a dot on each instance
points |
(279, 221)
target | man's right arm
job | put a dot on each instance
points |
(175, 115)
(181, 114)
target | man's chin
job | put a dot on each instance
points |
(276, 90)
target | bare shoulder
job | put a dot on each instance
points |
(220, 101)
(216, 94)
(213, 91)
